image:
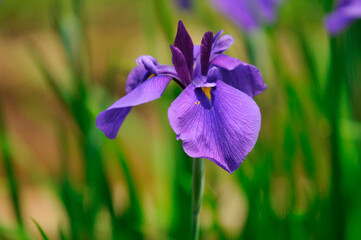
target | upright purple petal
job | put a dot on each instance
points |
(206, 47)
(110, 120)
(180, 65)
(185, 44)
(217, 35)
(223, 127)
(240, 75)
(196, 52)
(221, 44)
(214, 74)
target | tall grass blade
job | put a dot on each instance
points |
(133, 217)
(163, 9)
(6, 154)
(60, 94)
(41, 231)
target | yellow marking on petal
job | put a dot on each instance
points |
(199, 102)
(207, 92)
(152, 75)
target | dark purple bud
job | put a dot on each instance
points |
(206, 47)
(180, 65)
(185, 44)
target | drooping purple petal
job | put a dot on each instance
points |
(240, 75)
(223, 128)
(151, 65)
(185, 44)
(135, 77)
(206, 47)
(344, 15)
(226, 62)
(167, 70)
(180, 65)
(110, 120)
(148, 62)
(147, 65)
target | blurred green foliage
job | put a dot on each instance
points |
(300, 181)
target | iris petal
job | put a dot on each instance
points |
(226, 62)
(110, 120)
(224, 133)
(221, 44)
(217, 35)
(135, 77)
(196, 52)
(151, 65)
(180, 65)
(240, 75)
(206, 47)
(185, 44)
(148, 62)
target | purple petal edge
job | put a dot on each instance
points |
(110, 120)
(225, 132)
(240, 75)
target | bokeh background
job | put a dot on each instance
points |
(64, 61)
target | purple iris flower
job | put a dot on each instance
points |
(215, 115)
(347, 11)
(248, 14)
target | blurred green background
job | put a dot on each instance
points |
(64, 61)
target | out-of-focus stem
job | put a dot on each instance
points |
(333, 99)
(197, 193)
(6, 155)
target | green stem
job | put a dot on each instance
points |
(197, 193)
